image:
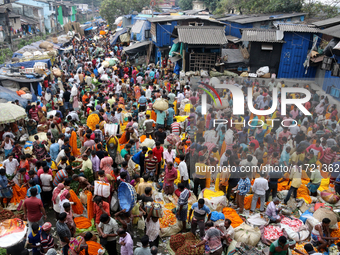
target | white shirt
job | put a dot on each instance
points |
(114, 78)
(139, 79)
(260, 186)
(230, 231)
(183, 169)
(110, 228)
(152, 229)
(46, 179)
(148, 93)
(74, 115)
(118, 88)
(178, 85)
(60, 156)
(61, 143)
(294, 130)
(10, 166)
(180, 97)
(61, 207)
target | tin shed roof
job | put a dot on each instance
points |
(205, 35)
(262, 35)
(298, 28)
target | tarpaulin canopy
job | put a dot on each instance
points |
(114, 39)
(9, 95)
(30, 64)
(87, 29)
(137, 47)
(234, 58)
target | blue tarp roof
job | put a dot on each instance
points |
(30, 64)
(10, 95)
(87, 29)
(118, 33)
(87, 22)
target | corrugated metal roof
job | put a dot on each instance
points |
(253, 19)
(298, 28)
(327, 22)
(137, 27)
(183, 17)
(208, 35)
(234, 17)
(333, 31)
(262, 35)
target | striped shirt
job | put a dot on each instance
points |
(328, 156)
(150, 164)
(175, 128)
(47, 241)
(60, 177)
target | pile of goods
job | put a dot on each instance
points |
(294, 224)
(168, 219)
(272, 232)
(181, 244)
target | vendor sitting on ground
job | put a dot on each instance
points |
(320, 235)
(281, 246)
(272, 212)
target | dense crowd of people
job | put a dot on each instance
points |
(74, 111)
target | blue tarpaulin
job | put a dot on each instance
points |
(87, 29)
(10, 95)
(17, 55)
(117, 34)
(30, 64)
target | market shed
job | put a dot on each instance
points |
(299, 40)
(200, 46)
(264, 46)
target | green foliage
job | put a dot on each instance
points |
(111, 9)
(185, 4)
(3, 251)
(5, 55)
(315, 9)
(225, 6)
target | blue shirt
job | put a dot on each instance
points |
(160, 117)
(136, 157)
(152, 74)
(142, 100)
(259, 137)
(200, 212)
(243, 186)
(34, 239)
(3, 181)
(54, 151)
(171, 114)
(38, 189)
(199, 109)
(284, 158)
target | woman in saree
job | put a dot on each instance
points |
(39, 149)
(41, 115)
(78, 244)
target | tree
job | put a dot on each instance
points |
(185, 4)
(211, 4)
(315, 9)
(225, 6)
(112, 9)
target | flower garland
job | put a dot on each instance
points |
(92, 121)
